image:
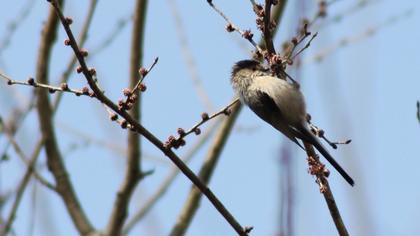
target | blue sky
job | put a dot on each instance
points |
(365, 91)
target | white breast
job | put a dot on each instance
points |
(288, 98)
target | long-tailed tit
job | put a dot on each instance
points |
(279, 103)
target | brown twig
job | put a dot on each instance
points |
(177, 142)
(305, 47)
(295, 42)
(141, 130)
(247, 34)
(51, 89)
(143, 73)
(321, 133)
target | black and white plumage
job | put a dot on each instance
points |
(279, 103)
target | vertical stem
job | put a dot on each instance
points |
(45, 114)
(133, 172)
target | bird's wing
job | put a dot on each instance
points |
(265, 107)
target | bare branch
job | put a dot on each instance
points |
(189, 59)
(231, 27)
(51, 89)
(177, 142)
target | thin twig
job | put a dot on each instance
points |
(176, 142)
(28, 163)
(51, 89)
(305, 47)
(13, 25)
(189, 59)
(358, 5)
(115, 32)
(137, 86)
(231, 27)
(350, 40)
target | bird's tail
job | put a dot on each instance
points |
(310, 137)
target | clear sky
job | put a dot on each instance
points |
(365, 90)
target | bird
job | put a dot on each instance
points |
(279, 103)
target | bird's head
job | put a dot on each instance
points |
(248, 68)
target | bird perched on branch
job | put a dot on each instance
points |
(279, 103)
